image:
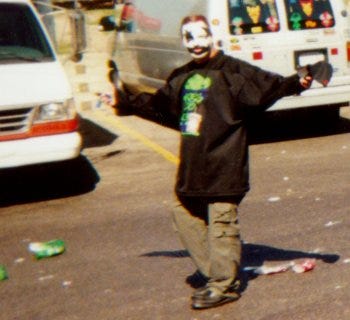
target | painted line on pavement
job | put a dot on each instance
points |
(118, 124)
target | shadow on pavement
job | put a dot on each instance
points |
(58, 179)
(253, 255)
(94, 135)
(296, 124)
(170, 254)
(256, 255)
(47, 181)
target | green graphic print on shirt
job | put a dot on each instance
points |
(193, 93)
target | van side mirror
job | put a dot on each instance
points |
(107, 23)
(79, 34)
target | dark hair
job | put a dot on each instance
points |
(196, 18)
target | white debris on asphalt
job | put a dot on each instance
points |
(19, 260)
(332, 223)
(274, 199)
(108, 291)
(66, 283)
(269, 269)
(44, 278)
(297, 266)
(317, 250)
(338, 287)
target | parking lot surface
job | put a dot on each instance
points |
(112, 208)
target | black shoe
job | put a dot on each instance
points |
(211, 297)
(197, 280)
(234, 287)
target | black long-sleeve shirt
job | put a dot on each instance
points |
(209, 104)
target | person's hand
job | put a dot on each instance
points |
(121, 105)
(306, 81)
(120, 94)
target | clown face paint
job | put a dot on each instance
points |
(197, 39)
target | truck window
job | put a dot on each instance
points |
(253, 16)
(309, 14)
(21, 38)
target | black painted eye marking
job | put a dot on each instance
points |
(188, 36)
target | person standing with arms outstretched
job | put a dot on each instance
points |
(209, 101)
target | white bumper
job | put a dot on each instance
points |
(336, 94)
(29, 151)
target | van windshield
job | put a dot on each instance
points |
(21, 38)
(253, 16)
(309, 14)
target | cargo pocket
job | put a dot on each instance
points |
(222, 232)
(224, 220)
(223, 212)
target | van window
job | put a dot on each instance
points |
(253, 16)
(149, 17)
(21, 38)
(309, 14)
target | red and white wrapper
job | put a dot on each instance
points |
(297, 266)
(303, 265)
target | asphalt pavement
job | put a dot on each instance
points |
(123, 259)
(299, 233)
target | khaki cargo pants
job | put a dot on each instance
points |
(210, 233)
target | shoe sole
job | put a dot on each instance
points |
(202, 304)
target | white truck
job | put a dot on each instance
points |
(277, 35)
(38, 119)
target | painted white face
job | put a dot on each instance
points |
(197, 39)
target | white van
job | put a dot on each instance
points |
(38, 120)
(277, 35)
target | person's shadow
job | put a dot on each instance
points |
(253, 255)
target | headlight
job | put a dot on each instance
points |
(55, 111)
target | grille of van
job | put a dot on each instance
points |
(15, 121)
